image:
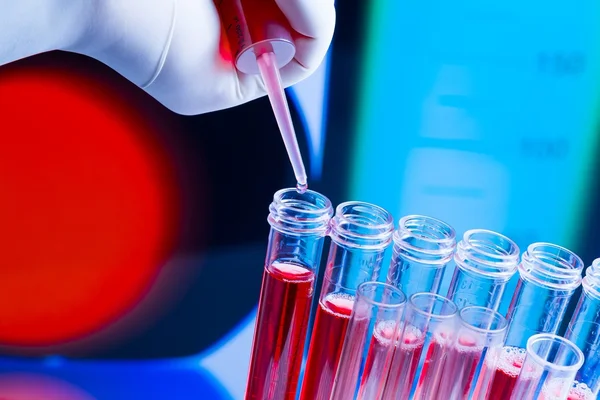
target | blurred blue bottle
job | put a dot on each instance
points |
(423, 246)
(485, 262)
(584, 328)
(548, 277)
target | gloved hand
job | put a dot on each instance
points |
(134, 37)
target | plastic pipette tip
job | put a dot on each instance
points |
(267, 64)
(301, 187)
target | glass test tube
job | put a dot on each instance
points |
(548, 277)
(299, 223)
(423, 246)
(471, 364)
(360, 232)
(424, 342)
(485, 262)
(368, 346)
(584, 328)
(548, 370)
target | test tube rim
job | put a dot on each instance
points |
(591, 280)
(360, 289)
(496, 266)
(383, 231)
(445, 247)
(551, 270)
(389, 220)
(504, 257)
(277, 198)
(449, 239)
(482, 330)
(436, 296)
(590, 289)
(545, 363)
(317, 214)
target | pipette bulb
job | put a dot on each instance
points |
(301, 187)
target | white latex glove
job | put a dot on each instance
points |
(168, 47)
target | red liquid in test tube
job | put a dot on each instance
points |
(421, 352)
(431, 371)
(404, 364)
(329, 330)
(462, 361)
(378, 359)
(285, 302)
(369, 343)
(507, 371)
(348, 372)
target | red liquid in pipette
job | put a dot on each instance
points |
(326, 344)
(280, 332)
(507, 371)
(404, 365)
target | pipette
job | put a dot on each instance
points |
(262, 45)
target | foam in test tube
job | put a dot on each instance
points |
(262, 44)
(426, 338)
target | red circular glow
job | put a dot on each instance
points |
(85, 206)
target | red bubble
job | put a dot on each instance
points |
(86, 204)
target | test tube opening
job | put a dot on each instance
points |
(362, 225)
(552, 266)
(295, 212)
(483, 319)
(555, 352)
(487, 253)
(381, 294)
(425, 240)
(594, 269)
(433, 305)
